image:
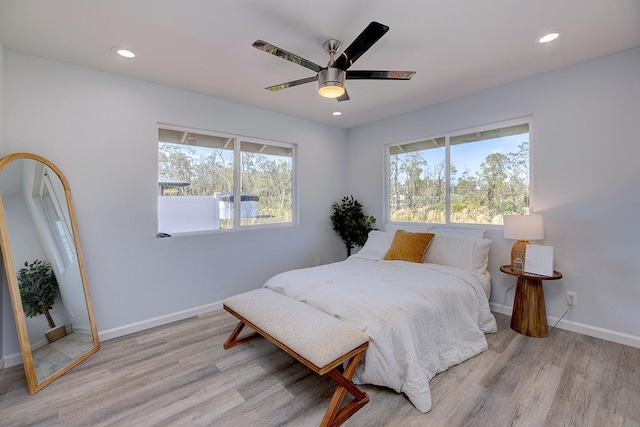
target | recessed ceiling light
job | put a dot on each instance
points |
(336, 113)
(549, 37)
(124, 52)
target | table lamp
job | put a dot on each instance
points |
(522, 228)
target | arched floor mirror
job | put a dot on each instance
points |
(44, 269)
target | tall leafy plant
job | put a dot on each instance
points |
(350, 222)
(38, 289)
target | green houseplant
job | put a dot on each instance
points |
(38, 291)
(350, 222)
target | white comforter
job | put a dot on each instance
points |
(421, 318)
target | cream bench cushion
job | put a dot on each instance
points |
(313, 334)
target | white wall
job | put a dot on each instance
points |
(1, 101)
(585, 162)
(4, 291)
(101, 131)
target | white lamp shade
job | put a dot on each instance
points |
(523, 227)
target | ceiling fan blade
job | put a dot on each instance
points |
(292, 83)
(360, 45)
(292, 57)
(344, 96)
(379, 75)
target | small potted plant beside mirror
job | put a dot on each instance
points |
(38, 291)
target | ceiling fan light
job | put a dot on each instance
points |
(331, 82)
(331, 90)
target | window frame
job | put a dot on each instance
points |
(57, 221)
(447, 137)
(237, 179)
(238, 169)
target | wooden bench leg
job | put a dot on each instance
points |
(233, 338)
(334, 415)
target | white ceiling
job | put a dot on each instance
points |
(457, 47)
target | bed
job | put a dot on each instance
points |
(421, 317)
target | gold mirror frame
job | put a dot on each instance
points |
(84, 345)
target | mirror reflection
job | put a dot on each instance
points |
(44, 269)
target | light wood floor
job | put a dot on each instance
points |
(179, 375)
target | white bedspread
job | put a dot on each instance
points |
(421, 318)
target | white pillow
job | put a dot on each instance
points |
(378, 243)
(411, 228)
(468, 232)
(467, 254)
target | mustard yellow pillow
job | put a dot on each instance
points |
(408, 246)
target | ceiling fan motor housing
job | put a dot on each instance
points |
(331, 82)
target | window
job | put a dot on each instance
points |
(197, 176)
(56, 219)
(473, 176)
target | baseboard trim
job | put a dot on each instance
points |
(157, 321)
(581, 328)
(16, 359)
(12, 360)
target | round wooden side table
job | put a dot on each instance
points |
(529, 316)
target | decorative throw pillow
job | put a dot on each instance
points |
(408, 246)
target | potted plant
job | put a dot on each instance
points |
(350, 222)
(38, 291)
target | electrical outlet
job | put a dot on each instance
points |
(317, 261)
(572, 298)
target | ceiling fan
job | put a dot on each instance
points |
(331, 78)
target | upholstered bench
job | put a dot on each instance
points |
(318, 340)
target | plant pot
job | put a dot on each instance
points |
(56, 333)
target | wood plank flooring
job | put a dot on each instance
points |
(179, 375)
